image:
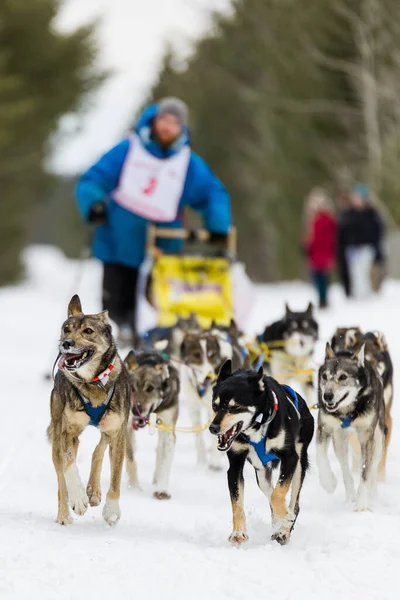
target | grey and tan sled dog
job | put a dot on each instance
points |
(259, 420)
(377, 353)
(155, 394)
(350, 398)
(91, 387)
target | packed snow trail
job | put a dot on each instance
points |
(176, 549)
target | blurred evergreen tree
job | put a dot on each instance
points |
(271, 119)
(43, 75)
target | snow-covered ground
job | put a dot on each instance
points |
(176, 549)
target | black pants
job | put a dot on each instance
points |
(119, 293)
(343, 269)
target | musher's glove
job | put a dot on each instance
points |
(97, 214)
(219, 244)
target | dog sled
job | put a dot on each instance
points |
(193, 281)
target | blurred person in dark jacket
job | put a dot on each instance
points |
(364, 240)
(343, 241)
(320, 241)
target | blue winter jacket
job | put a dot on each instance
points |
(123, 238)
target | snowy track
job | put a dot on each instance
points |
(176, 549)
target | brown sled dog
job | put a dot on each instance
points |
(91, 387)
(155, 389)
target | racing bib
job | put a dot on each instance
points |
(152, 187)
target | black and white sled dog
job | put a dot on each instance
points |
(155, 395)
(231, 344)
(350, 397)
(292, 342)
(202, 354)
(259, 420)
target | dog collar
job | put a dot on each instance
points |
(260, 417)
(104, 376)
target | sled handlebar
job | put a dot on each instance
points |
(198, 235)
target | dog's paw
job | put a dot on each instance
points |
(238, 537)
(134, 485)
(78, 500)
(282, 536)
(363, 499)
(328, 481)
(161, 495)
(283, 528)
(64, 519)
(111, 512)
(94, 495)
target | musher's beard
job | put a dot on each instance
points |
(166, 129)
(165, 138)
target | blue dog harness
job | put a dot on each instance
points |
(96, 412)
(346, 422)
(264, 456)
(293, 395)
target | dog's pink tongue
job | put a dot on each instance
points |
(61, 362)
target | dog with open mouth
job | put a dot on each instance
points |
(155, 392)
(350, 399)
(269, 425)
(91, 387)
(377, 353)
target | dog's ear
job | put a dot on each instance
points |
(163, 369)
(103, 316)
(74, 306)
(359, 356)
(310, 309)
(329, 353)
(213, 324)
(260, 375)
(233, 328)
(288, 311)
(381, 341)
(130, 361)
(225, 371)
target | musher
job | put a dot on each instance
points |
(148, 177)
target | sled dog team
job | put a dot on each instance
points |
(255, 418)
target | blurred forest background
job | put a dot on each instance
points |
(284, 95)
